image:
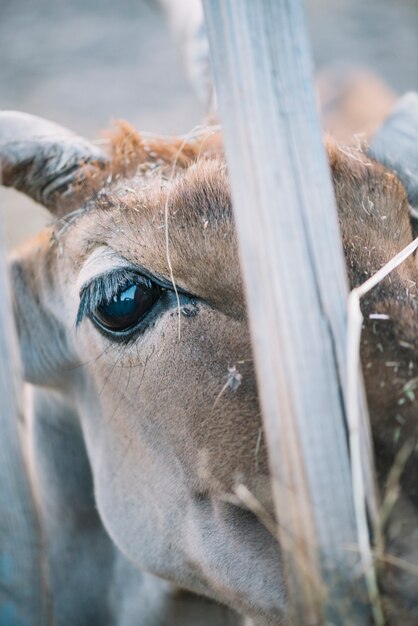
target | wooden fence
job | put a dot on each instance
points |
(296, 292)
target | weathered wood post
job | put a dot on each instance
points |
(296, 287)
(21, 597)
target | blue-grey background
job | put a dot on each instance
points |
(85, 62)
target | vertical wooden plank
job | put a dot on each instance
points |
(296, 288)
(21, 597)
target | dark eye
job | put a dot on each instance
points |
(128, 305)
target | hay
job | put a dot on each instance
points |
(355, 321)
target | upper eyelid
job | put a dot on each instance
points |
(95, 269)
(133, 271)
(107, 276)
(102, 262)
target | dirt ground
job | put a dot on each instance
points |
(86, 62)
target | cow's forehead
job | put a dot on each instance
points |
(177, 225)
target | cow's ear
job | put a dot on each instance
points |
(48, 162)
(45, 335)
(395, 144)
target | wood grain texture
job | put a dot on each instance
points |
(296, 286)
(21, 587)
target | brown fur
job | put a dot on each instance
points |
(374, 222)
(375, 225)
(130, 151)
(210, 430)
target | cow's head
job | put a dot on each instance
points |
(132, 306)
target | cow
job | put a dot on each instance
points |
(142, 416)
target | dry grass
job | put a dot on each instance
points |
(354, 417)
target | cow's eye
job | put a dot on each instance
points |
(127, 306)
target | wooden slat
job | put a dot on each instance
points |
(296, 289)
(21, 596)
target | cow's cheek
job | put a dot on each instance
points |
(142, 508)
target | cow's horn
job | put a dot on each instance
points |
(395, 144)
(46, 161)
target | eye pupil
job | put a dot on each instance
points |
(128, 306)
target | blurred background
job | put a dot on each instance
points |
(84, 63)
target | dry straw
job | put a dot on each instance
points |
(355, 321)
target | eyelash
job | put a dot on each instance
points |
(101, 290)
